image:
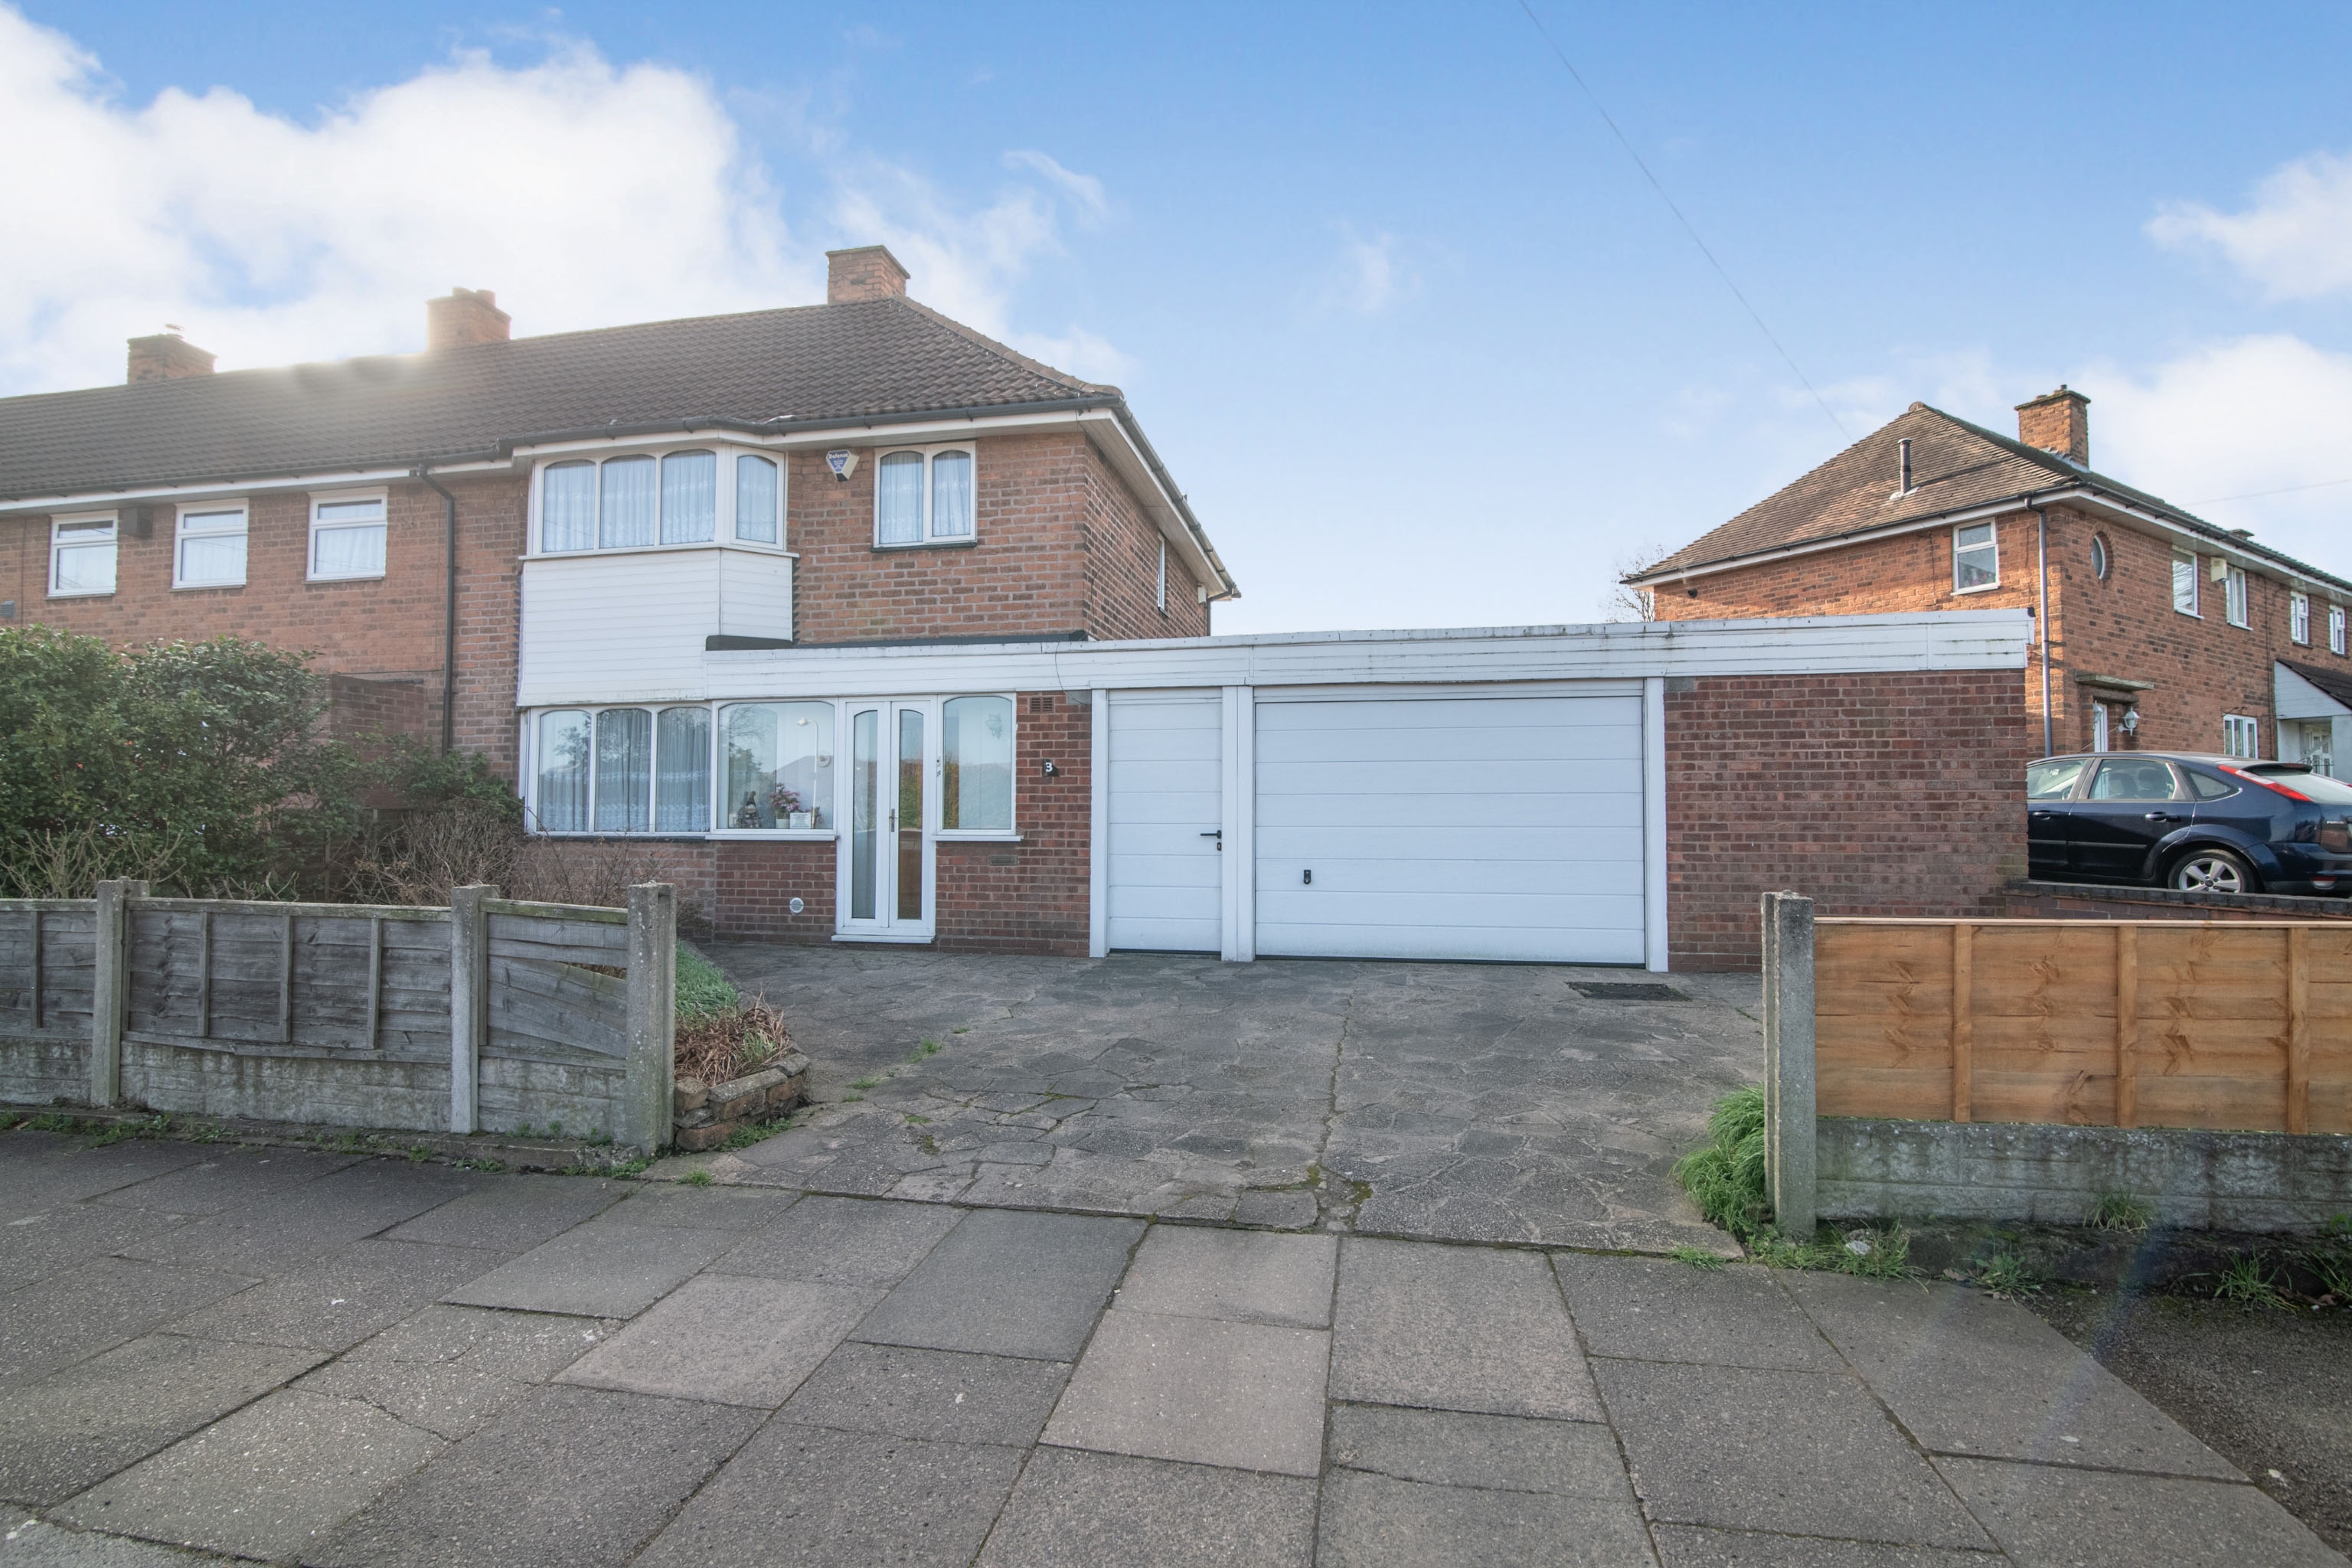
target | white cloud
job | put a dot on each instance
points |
(1083, 190)
(586, 193)
(1370, 277)
(2296, 239)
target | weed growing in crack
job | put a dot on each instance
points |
(2249, 1281)
(1697, 1257)
(928, 1048)
(697, 1179)
(2005, 1275)
(1725, 1176)
(2121, 1211)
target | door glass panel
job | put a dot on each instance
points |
(2132, 781)
(910, 815)
(865, 808)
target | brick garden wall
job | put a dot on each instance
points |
(1874, 795)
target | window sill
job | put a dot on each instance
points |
(928, 544)
(353, 577)
(1979, 588)
(903, 938)
(962, 836)
(2192, 615)
(771, 835)
(204, 587)
(82, 593)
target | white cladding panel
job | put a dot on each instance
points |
(755, 593)
(1166, 804)
(617, 628)
(1488, 827)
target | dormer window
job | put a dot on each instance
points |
(923, 496)
(643, 500)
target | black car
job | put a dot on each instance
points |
(2201, 824)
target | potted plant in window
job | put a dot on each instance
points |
(786, 805)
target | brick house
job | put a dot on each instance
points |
(2162, 630)
(870, 629)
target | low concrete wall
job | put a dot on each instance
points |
(1868, 1168)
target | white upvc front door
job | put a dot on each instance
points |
(888, 815)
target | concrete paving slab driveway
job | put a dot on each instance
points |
(843, 1382)
(1480, 1103)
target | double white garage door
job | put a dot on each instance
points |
(1463, 823)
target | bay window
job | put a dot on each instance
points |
(561, 796)
(755, 499)
(639, 500)
(682, 776)
(81, 556)
(923, 496)
(210, 552)
(622, 769)
(777, 761)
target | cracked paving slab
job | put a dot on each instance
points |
(1476, 1102)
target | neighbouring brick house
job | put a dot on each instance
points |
(2163, 630)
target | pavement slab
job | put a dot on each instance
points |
(268, 1481)
(1245, 1395)
(1244, 1276)
(1971, 1375)
(515, 1214)
(736, 1210)
(310, 1218)
(945, 1395)
(76, 1427)
(451, 1370)
(2048, 1516)
(1377, 1521)
(597, 1271)
(841, 1241)
(60, 1320)
(806, 1495)
(582, 1477)
(333, 1302)
(29, 1542)
(1651, 1309)
(1008, 1284)
(230, 1178)
(41, 1168)
(1455, 1327)
(1802, 1453)
(727, 1339)
(1695, 1546)
(49, 1241)
(1496, 1453)
(1079, 1510)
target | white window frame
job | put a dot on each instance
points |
(182, 533)
(345, 497)
(2237, 597)
(1011, 832)
(1991, 542)
(931, 539)
(113, 521)
(2240, 729)
(2186, 558)
(722, 533)
(1160, 593)
(2298, 618)
(595, 710)
(2335, 628)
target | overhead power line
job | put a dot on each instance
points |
(1688, 228)
(2281, 490)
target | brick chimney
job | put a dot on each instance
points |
(2058, 422)
(166, 356)
(467, 316)
(868, 272)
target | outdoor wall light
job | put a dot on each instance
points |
(2131, 720)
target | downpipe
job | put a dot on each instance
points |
(450, 618)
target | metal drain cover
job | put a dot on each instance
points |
(1627, 991)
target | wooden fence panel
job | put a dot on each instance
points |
(2241, 1026)
(48, 965)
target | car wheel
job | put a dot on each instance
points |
(2212, 871)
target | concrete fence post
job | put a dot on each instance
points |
(1789, 1128)
(653, 1017)
(109, 991)
(469, 1002)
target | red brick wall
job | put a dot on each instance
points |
(1122, 548)
(756, 884)
(1030, 897)
(1876, 795)
(2125, 626)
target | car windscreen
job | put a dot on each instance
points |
(2055, 778)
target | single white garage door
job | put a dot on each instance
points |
(1166, 805)
(1449, 827)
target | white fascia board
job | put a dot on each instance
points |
(348, 478)
(783, 438)
(2299, 698)
(1933, 640)
(2205, 544)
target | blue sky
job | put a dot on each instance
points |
(1405, 317)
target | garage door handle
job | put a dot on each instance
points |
(1220, 837)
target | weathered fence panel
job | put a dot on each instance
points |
(494, 1016)
(1970, 1066)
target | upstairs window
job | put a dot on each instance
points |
(923, 497)
(626, 505)
(81, 556)
(2233, 590)
(2184, 583)
(756, 492)
(2335, 628)
(346, 538)
(2298, 618)
(1976, 559)
(689, 498)
(210, 552)
(2241, 736)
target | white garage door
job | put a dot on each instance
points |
(1166, 803)
(1455, 826)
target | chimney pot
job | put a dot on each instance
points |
(2058, 422)
(867, 272)
(166, 356)
(467, 316)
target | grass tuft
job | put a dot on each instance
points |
(697, 1179)
(1725, 1176)
(703, 987)
(2249, 1281)
(2004, 1274)
(1697, 1257)
(2121, 1211)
